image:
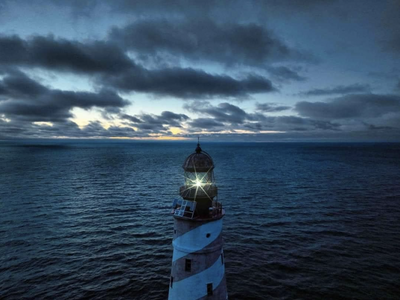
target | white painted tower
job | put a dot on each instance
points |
(198, 266)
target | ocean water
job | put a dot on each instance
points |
(83, 220)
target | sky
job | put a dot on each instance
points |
(226, 70)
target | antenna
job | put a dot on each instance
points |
(198, 149)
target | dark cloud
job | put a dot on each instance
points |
(285, 74)
(16, 84)
(290, 124)
(25, 99)
(156, 123)
(63, 55)
(271, 107)
(374, 127)
(340, 89)
(349, 116)
(166, 118)
(188, 83)
(351, 106)
(255, 127)
(68, 129)
(362, 115)
(224, 112)
(113, 68)
(205, 40)
(293, 123)
(130, 118)
(95, 129)
(170, 117)
(234, 118)
(11, 129)
(205, 123)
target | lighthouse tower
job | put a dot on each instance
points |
(198, 263)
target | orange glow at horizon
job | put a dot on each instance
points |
(155, 138)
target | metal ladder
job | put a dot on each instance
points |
(181, 212)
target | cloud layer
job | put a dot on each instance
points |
(22, 98)
(246, 69)
(230, 44)
(338, 90)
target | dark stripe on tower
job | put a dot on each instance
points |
(208, 259)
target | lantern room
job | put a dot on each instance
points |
(199, 191)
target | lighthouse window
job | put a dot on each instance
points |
(208, 235)
(172, 281)
(188, 265)
(209, 289)
(222, 258)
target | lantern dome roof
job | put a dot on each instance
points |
(200, 161)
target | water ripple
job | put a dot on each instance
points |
(304, 221)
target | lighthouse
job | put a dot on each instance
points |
(198, 263)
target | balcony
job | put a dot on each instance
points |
(187, 210)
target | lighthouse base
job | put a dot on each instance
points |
(198, 266)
